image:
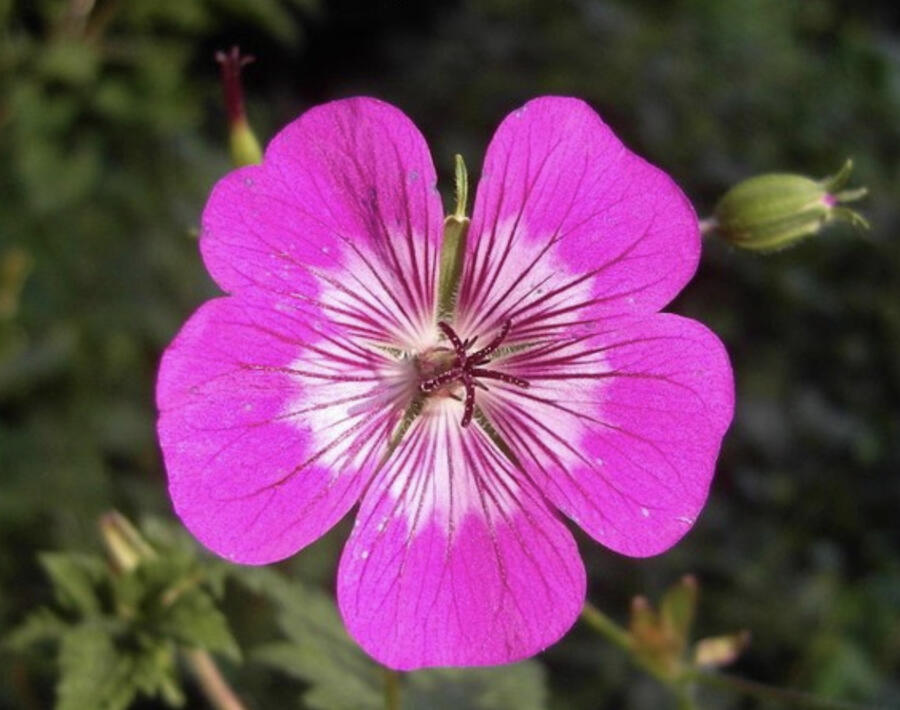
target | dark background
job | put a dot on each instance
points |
(112, 133)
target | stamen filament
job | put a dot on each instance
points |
(502, 376)
(458, 346)
(466, 368)
(441, 380)
(494, 344)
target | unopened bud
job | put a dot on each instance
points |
(242, 143)
(677, 609)
(774, 211)
(718, 651)
(125, 546)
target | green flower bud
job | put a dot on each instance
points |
(242, 143)
(125, 546)
(774, 211)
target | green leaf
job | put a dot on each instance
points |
(174, 544)
(154, 671)
(521, 686)
(102, 671)
(75, 580)
(194, 620)
(93, 673)
(318, 650)
(335, 681)
(342, 677)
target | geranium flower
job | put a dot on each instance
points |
(551, 387)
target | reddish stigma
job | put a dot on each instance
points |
(230, 65)
(468, 368)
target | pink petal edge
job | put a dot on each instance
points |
(343, 211)
(456, 560)
(265, 444)
(274, 414)
(569, 225)
(621, 428)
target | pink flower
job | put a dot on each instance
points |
(279, 403)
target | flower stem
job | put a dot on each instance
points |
(682, 685)
(608, 628)
(605, 626)
(760, 691)
(212, 682)
(391, 690)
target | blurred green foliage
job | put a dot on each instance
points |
(111, 135)
(119, 623)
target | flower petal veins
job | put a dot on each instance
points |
(570, 227)
(324, 378)
(456, 558)
(621, 429)
(270, 423)
(344, 213)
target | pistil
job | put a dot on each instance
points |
(468, 369)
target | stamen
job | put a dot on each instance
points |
(494, 344)
(502, 376)
(441, 380)
(466, 368)
(469, 404)
(454, 338)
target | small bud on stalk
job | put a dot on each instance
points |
(125, 546)
(775, 211)
(243, 146)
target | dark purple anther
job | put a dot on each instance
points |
(466, 368)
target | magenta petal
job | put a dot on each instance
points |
(343, 212)
(270, 424)
(455, 559)
(621, 430)
(569, 225)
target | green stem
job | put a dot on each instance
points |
(212, 682)
(606, 627)
(760, 691)
(682, 687)
(391, 690)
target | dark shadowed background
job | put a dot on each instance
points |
(112, 133)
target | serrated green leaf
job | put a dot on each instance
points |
(75, 579)
(318, 650)
(155, 672)
(93, 674)
(181, 551)
(334, 683)
(194, 620)
(99, 672)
